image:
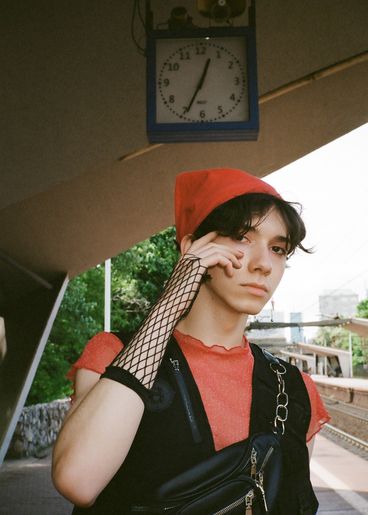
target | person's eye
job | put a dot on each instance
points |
(242, 237)
(279, 250)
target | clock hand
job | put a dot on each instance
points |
(199, 85)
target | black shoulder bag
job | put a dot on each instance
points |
(242, 478)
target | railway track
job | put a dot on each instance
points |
(362, 445)
(345, 408)
(347, 417)
(348, 426)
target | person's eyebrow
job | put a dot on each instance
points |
(279, 237)
(283, 239)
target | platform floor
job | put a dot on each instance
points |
(344, 382)
(340, 479)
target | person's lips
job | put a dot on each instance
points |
(257, 289)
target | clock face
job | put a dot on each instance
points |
(201, 80)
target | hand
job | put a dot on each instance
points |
(212, 253)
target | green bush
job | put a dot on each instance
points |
(137, 279)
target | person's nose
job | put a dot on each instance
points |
(259, 259)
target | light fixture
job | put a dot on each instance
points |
(202, 81)
(221, 10)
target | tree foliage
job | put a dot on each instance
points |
(338, 337)
(77, 320)
(362, 309)
(138, 275)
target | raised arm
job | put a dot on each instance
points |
(97, 435)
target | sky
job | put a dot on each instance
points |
(331, 183)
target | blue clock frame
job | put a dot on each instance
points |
(203, 131)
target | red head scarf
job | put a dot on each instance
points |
(199, 192)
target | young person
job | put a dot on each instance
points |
(128, 431)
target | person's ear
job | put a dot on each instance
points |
(186, 243)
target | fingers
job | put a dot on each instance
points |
(221, 255)
(207, 238)
(213, 254)
(226, 260)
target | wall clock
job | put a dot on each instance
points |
(202, 85)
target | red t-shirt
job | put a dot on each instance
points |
(224, 399)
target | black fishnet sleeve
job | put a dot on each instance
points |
(136, 365)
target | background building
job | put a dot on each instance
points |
(338, 302)
(296, 333)
(272, 339)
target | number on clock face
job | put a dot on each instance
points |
(201, 80)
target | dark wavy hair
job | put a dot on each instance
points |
(236, 217)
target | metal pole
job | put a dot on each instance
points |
(351, 353)
(107, 324)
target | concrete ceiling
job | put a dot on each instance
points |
(79, 181)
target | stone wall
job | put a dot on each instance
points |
(37, 429)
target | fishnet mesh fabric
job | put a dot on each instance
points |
(144, 353)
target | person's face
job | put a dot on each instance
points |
(263, 265)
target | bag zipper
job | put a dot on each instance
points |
(187, 401)
(247, 499)
(257, 476)
(266, 458)
(253, 461)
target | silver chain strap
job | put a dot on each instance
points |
(282, 399)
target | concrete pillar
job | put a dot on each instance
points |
(28, 323)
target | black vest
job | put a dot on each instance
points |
(175, 435)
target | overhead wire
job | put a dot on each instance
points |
(141, 17)
(331, 250)
(137, 12)
(353, 253)
(338, 288)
